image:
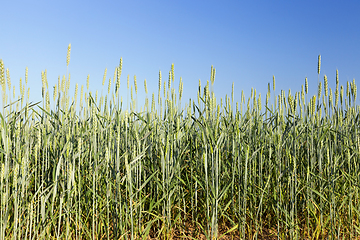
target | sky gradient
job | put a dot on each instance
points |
(246, 41)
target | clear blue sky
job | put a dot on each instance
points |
(247, 42)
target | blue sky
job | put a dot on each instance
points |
(247, 42)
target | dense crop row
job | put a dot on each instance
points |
(286, 170)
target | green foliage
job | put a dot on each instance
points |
(102, 172)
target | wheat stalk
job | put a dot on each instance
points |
(103, 172)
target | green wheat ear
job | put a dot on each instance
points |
(213, 72)
(120, 65)
(76, 91)
(180, 88)
(172, 73)
(341, 94)
(273, 83)
(302, 94)
(319, 63)
(2, 72)
(153, 103)
(330, 97)
(145, 86)
(81, 95)
(259, 102)
(68, 55)
(109, 86)
(326, 85)
(55, 92)
(26, 75)
(355, 91)
(319, 90)
(118, 77)
(313, 105)
(47, 102)
(7, 79)
(159, 81)
(169, 82)
(2, 80)
(103, 82)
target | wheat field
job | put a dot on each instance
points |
(88, 167)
